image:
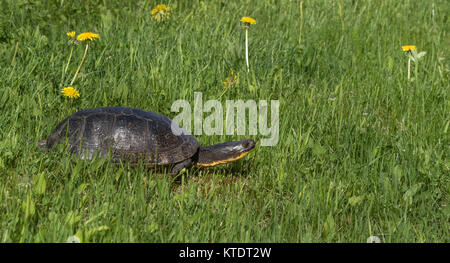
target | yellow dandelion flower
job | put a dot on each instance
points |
(70, 92)
(71, 34)
(409, 48)
(230, 81)
(87, 37)
(160, 12)
(160, 8)
(248, 20)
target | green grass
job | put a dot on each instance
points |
(362, 151)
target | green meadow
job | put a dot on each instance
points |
(363, 150)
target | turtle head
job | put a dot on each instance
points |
(224, 152)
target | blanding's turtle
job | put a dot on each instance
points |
(135, 135)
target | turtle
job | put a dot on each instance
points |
(134, 135)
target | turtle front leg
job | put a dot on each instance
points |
(179, 166)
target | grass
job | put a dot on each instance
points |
(362, 151)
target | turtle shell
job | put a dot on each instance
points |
(126, 134)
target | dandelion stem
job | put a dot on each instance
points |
(246, 49)
(301, 23)
(78, 69)
(68, 61)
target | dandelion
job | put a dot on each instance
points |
(412, 54)
(70, 92)
(409, 48)
(247, 22)
(230, 81)
(71, 35)
(160, 12)
(86, 38)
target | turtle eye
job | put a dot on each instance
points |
(246, 144)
